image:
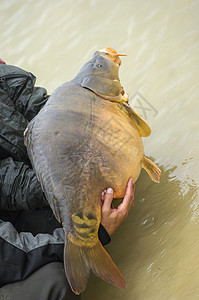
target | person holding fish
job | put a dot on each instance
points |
(31, 239)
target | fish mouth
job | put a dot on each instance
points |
(112, 54)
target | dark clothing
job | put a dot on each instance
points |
(52, 276)
(20, 101)
(31, 239)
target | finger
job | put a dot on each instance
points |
(133, 191)
(108, 199)
(130, 188)
(132, 201)
(127, 201)
(103, 195)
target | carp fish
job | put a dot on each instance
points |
(85, 139)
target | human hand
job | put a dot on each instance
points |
(113, 217)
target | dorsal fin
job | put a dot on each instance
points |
(141, 125)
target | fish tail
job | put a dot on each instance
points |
(151, 168)
(79, 261)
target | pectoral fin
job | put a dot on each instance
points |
(151, 168)
(141, 125)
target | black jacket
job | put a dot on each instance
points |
(20, 101)
(30, 236)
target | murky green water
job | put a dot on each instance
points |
(157, 248)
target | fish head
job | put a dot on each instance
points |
(101, 74)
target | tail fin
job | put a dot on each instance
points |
(80, 260)
(151, 168)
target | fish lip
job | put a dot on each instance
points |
(112, 55)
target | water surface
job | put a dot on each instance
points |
(157, 248)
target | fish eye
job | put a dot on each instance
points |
(99, 65)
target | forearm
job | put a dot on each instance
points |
(19, 187)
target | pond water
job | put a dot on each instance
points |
(157, 247)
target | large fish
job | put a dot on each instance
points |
(85, 139)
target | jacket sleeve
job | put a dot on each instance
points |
(17, 87)
(20, 101)
(103, 236)
(36, 102)
(21, 254)
(19, 187)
